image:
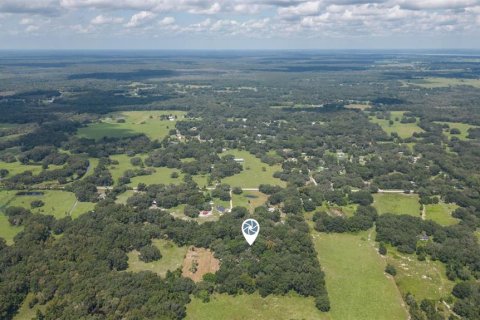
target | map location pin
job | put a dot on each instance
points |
(250, 230)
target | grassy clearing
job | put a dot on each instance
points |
(433, 82)
(7, 231)
(404, 130)
(397, 203)
(357, 285)
(249, 199)
(57, 203)
(136, 122)
(254, 173)
(172, 258)
(334, 210)
(27, 313)
(423, 279)
(253, 306)
(122, 198)
(463, 127)
(441, 213)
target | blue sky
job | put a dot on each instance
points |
(239, 24)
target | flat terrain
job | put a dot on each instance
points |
(172, 258)
(404, 130)
(357, 285)
(249, 199)
(463, 127)
(441, 213)
(435, 82)
(198, 262)
(15, 168)
(424, 279)
(7, 231)
(253, 306)
(27, 313)
(136, 122)
(57, 203)
(253, 173)
(397, 203)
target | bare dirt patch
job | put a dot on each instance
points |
(198, 262)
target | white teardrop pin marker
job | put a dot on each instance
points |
(250, 230)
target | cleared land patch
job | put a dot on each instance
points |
(198, 262)
(435, 82)
(253, 306)
(424, 279)
(356, 283)
(172, 258)
(254, 173)
(441, 213)
(57, 203)
(397, 203)
(463, 127)
(404, 130)
(150, 123)
(249, 199)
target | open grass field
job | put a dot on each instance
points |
(136, 122)
(441, 213)
(7, 231)
(27, 313)
(357, 285)
(123, 197)
(404, 130)
(15, 168)
(424, 279)
(172, 258)
(253, 306)
(161, 174)
(198, 262)
(435, 82)
(249, 199)
(253, 173)
(463, 127)
(397, 203)
(57, 203)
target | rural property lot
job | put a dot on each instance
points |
(198, 262)
(356, 284)
(397, 203)
(404, 130)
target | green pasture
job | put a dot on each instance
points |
(172, 258)
(249, 199)
(254, 173)
(397, 203)
(356, 283)
(424, 279)
(404, 130)
(435, 82)
(253, 306)
(463, 127)
(136, 122)
(441, 213)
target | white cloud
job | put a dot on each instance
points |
(140, 18)
(436, 4)
(31, 28)
(303, 9)
(167, 21)
(26, 21)
(213, 9)
(101, 19)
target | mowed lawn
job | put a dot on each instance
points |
(397, 203)
(424, 279)
(441, 213)
(249, 199)
(172, 258)
(404, 130)
(253, 306)
(136, 122)
(254, 173)
(463, 127)
(357, 285)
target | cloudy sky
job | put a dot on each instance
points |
(238, 24)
